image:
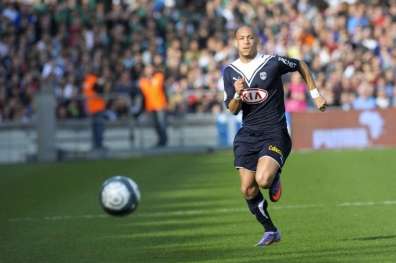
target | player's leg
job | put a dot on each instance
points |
(159, 118)
(267, 168)
(258, 206)
(249, 187)
(268, 176)
(272, 157)
(246, 150)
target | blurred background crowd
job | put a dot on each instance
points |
(79, 47)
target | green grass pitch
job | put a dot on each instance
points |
(337, 206)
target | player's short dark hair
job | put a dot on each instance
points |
(239, 27)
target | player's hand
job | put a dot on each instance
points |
(320, 103)
(239, 85)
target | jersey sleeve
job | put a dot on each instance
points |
(229, 90)
(287, 64)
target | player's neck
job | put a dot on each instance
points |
(247, 59)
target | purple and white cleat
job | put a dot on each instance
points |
(269, 238)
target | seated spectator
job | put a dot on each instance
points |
(297, 89)
(345, 43)
(122, 90)
(365, 99)
(347, 99)
(382, 101)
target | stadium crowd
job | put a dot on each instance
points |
(348, 45)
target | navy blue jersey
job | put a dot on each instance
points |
(263, 107)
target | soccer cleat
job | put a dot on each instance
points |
(275, 191)
(269, 238)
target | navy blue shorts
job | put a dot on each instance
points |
(250, 145)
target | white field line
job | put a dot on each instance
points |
(198, 211)
(367, 203)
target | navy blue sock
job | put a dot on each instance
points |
(258, 207)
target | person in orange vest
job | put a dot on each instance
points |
(95, 107)
(152, 87)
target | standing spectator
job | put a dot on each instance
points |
(152, 86)
(95, 107)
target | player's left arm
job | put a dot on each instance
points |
(318, 99)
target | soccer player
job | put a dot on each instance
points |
(253, 84)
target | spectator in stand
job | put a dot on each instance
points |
(344, 42)
(296, 88)
(123, 89)
(347, 99)
(365, 99)
(382, 101)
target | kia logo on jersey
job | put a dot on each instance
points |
(254, 96)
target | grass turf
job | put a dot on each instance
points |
(336, 207)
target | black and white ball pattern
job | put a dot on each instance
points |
(119, 195)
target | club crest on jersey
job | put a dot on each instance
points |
(263, 75)
(254, 96)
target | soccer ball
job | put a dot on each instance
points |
(119, 195)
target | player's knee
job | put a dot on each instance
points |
(249, 192)
(264, 179)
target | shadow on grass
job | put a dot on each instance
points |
(234, 254)
(180, 239)
(340, 254)
(160, 228)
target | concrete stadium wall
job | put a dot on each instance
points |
(18, 142)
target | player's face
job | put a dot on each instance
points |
(246, 42)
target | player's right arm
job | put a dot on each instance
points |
(290, 65)
(235, 104)
(318, 99)
(233, 91)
